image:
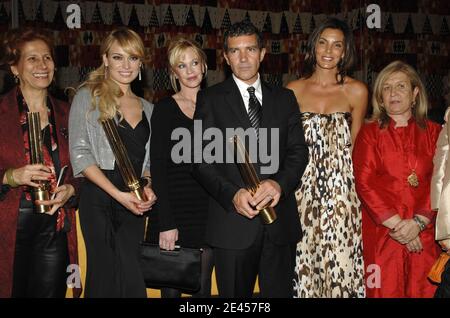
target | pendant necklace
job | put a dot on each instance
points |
(412, 179)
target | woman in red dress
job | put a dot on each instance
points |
(393, 165)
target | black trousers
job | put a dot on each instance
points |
(41, 257)
(112, 235)
(236, 270)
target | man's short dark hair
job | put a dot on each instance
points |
(242, 28)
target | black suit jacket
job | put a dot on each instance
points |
(221, 106)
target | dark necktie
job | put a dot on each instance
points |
(254, 110)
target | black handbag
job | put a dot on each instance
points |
(178, 269)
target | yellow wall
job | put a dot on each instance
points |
(152, 293)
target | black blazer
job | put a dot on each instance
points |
(221, 106)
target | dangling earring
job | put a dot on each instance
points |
(106, 71)
(16, 79)
(140, 77)
(413, 104)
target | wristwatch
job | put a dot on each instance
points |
(420, 223)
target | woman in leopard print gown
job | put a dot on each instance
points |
(329, 260)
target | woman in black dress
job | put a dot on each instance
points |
(180, 215)
(111, 216)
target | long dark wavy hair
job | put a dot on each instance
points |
(345, 64)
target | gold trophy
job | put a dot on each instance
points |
(123, 161)
(251, 179)
(37, 157)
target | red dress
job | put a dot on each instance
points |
(383, 159)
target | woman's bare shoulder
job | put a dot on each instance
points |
(355, 85)
(297, 85)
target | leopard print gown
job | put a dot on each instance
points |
(329, 260)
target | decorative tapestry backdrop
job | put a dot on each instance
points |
(416, 31)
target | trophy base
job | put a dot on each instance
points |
(42, 195)
(268, 215)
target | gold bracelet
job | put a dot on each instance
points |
(10, 178)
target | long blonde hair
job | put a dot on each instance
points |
(104, 91)
(420, 108)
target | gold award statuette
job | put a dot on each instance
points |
(251, 179)
(37, 157)
(122, 159)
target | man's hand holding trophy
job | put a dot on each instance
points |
(257, 197)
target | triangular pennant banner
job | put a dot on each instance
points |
(389, 25)
(247, 18)
(134, 20)
(168, 19)
(59, 19)
(21, 13)
(444, 27)
(3, 15)
(312, 24)
(226, 22)
(39, 17)
(190, 18)
(427, 26)
(97, 17)
(117, 18)
(267, 24)
(409, 28)
(153, 19)
(207, 25)
(284, 28)
(297, 25)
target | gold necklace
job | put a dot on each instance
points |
(412, 179)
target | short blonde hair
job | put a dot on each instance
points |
(421, 103)
(176, 50)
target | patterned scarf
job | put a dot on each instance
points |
(48, 161)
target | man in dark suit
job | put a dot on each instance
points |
(243, 246)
